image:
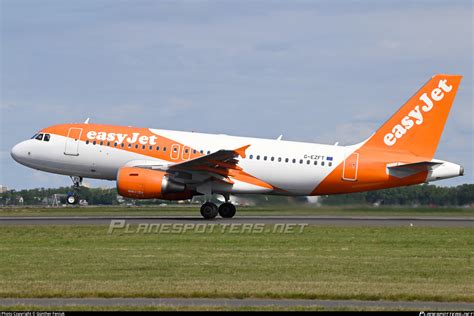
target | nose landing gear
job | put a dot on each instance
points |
(73, 197)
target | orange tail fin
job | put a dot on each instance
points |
(418, 124)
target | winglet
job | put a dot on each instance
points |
(241, 151)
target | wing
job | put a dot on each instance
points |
(221, 165)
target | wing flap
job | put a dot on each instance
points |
(219, 162)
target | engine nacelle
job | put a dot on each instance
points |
(139, 183)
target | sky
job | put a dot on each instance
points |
(315, 71)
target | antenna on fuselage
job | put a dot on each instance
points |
(87, 120)
(279, 137)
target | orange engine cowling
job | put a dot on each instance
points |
(139, 183)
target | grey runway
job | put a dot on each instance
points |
(385, 221)
(234, 303)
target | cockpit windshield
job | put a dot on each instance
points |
(41, 136)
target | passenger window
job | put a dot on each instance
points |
(251, 157)
(122, 145)
(201, 151)
(164, 148)
(87, 142)
(115, 144)
(108, 143)
(301, 161)
(329, 164)
(46, 137)
(194, 151)
(315, 162)
(39, 137)
(136, 146)
(258, 157)
(279, 159)
(101, 143)
(143, 147)
(265, 158)
(208, 152)
(294, 160)
(308, 162)
(150, 148)
(94, 142)
(129, 145)
(157, 147)
(286, 160)
(322, 163)
(273, 158)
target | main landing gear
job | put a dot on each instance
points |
(73, 197)
(225, 210)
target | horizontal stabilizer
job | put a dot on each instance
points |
(401, 170)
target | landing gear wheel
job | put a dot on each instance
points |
(209, 210)
(72, 199)
(227, 210)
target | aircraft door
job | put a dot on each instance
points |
(351, 165)
(72, 141)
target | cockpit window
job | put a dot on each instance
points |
(39, 137)
(34, 136)
(46, 137)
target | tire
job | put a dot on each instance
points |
(227, 210)
(209, 210)
(72, 199)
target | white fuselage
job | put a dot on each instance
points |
(268, 166)
(287, 165)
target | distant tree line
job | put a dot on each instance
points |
(42, 196)
(412, 195)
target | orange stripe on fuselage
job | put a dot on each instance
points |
(127, 135)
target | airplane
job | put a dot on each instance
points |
(149, 163)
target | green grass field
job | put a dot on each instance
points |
(412, 263)
(183, 308)
(193, 210)
(187, 308)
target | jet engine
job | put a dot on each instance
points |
(139, 183)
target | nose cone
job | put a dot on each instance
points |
(19, 152)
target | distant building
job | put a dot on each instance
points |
(3, 188)
(120, 199)
(20, 200)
